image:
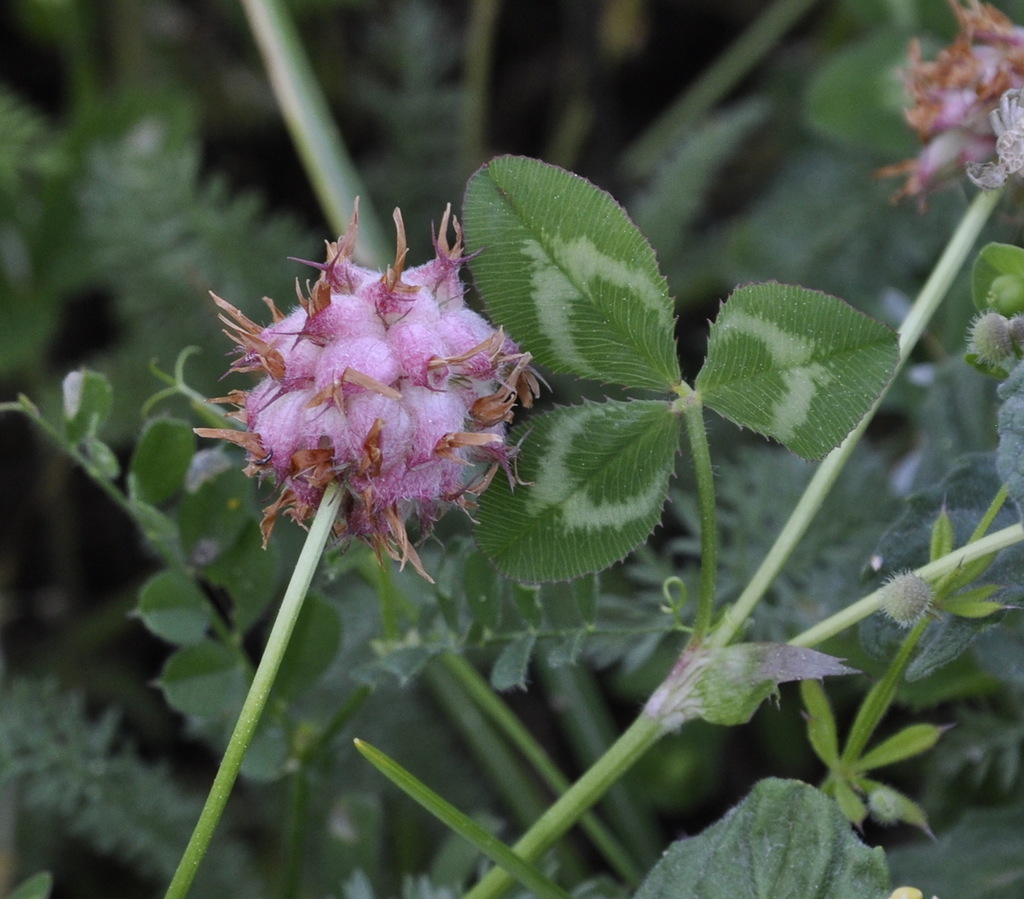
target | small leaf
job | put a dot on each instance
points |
(161, 460)
(205, 680)
(174, 608)
(785, 839)
(967, 573)
(104, 460)
(570, 277)
(794, 364)
(527, 600)
(248, 572)
(997, 279)
(942, 536)
(157, 527)
(966, 607)
(565, 651)
(482, 588)
(739, 678)
(858, 96)
(821, 722)
(88, 399)
(511, 666)
(910, 741)
(853, 807)
(725, 685)
(596, 478)
(212, 518)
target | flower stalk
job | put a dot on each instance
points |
(259, 693)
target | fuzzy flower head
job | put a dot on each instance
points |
(387, 385)
(958, 99)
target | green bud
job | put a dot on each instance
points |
(906, 598)
(889, 806)
(885, 805)
(1006, 294)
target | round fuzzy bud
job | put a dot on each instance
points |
(1006, 295)
(990, 339)
(885, 805)
(907, 893)
(906, 598)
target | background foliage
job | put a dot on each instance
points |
(144, 163)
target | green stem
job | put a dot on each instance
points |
(334, 178)
(172, 559)
(913, 327)
(643, 733)
(871, 603)
(26, 406)
(728, 69)
(693, 412)
(259, 692)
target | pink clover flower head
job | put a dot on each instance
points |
(955, 95)
(386, 384)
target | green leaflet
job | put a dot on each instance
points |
(785, 839)
(595, 476)
(570, 277)
(857, 97)
(795, 364)
(205, 680)
(161, 460)
(173, 607)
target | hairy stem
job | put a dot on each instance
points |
(693, 412)
(259, 692)
(871, 603)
